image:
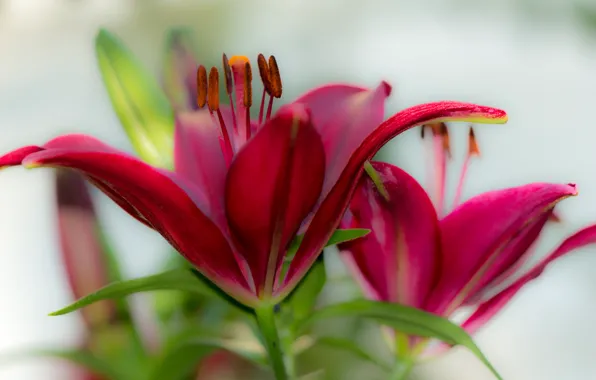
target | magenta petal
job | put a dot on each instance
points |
(16, 156)
(198, 157)
(82, 253)
(166, 201)
(272, 184)
(491, 307)
(399, 258)
(344, 115)
(487, 234)
(327, 216)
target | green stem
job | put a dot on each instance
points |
(266, 321)
(404, 362)
(402, 369)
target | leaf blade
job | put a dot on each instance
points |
(141, 105)
(406, 319)
(177, 279)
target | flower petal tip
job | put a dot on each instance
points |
(481, 115)
(28, 164)
(573, 191)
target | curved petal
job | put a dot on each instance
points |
(198, 157)
(400, 257)
(487, 234)
(344, 115)
(328, 215)
(272, 185)
(158, 197)
(491, 307)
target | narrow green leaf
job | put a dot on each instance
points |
(339, 236)
(81, 358)
(351, 347)
(177, 279)
(302, 300)
(139, 102)
(405, 319)
(183, 355)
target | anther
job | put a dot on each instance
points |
(444, 132)
(229, 86)
(247, 85)
(213, 90)
(473, 149)
(274, 78)
(201, 86)
(264, 72)
(422, 130)
(227, 74)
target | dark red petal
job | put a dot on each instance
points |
(487, 234)
(400, 257)
(344, 115)
(272, 185)
(167, 202)
(199, 158)
(491, 307)
(329, 213)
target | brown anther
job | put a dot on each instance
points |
(264, 72)
(213, 90)
(201, 86)
(227, 74)
(274, 78)
(422, 130)
(444, 132)
(247, 85)
(473, 149)
(554, 217)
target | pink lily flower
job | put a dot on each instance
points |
(470, 257)
(242, 189)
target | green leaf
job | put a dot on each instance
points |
(302, 300)
(351, 347)
(81, 358)
(405, 319)
(177, 279)
(181, 358)
(339, 236)
(139, 102)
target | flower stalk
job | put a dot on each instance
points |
(266, 321)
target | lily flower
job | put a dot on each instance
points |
(470, 257)
(242, 189)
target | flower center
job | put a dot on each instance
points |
(238, 86)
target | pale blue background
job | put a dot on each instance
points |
(533, 60)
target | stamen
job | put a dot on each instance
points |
(422, 129)
(229, 87)
(247, 95)
(201, 86)
(264, 72)
(213, 103)
(445, 137)
(275, 83)
(441, 148)
(473, 150)
(275, 78)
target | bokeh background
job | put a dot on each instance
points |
(536, 59)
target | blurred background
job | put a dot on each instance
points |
(535, 59)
